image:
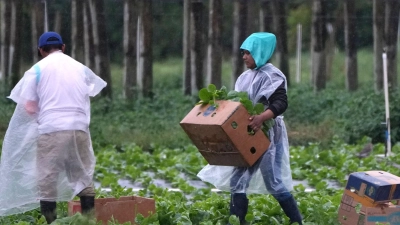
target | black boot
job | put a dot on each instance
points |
(239, 205)
(48, 210)
(87, 205)
(291, 210)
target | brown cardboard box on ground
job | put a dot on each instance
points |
(373, 187)
(122, 210)
(221, 134)
(352, 212)
(370, 197)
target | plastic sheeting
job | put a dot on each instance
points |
(271, 173)
(19, 190)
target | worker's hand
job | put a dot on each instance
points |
(256, 122)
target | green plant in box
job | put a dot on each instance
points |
(211, 94)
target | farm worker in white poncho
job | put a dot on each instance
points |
(264, 84)
(47, 154)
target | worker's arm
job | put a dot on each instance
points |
(277, 105)
(31, 107)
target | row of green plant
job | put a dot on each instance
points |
(314, 164)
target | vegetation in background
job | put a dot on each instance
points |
(310, 117)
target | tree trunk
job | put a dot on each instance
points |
(350, 37)
(266, 18)
(77, 31)
(58, 20)
(101, 44)
(332, 27)
(5, 39)
(330, 49)
(37, 26)
(147, 53)
(130, 60)
(240, 12)
(186, 48)
(391, 29)
(280, 27)
(88, 36)
(17, 6)
(318, 41)
(197, 45)
(214, 52)
(379, 31)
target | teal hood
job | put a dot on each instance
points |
(261, 47)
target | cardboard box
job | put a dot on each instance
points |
(123, 209)
(373, 187)
(352, 212)
(221, 134)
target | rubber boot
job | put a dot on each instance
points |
(291, 210)
(239, 205)
(87, 205)
(48, 210)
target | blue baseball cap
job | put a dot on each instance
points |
(50, 38)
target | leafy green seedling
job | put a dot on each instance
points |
(211, 94)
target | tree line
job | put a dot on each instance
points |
(204, 32)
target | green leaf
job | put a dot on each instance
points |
(232, 94)
(249, 217)
(259, 108)
(233, 220)
(204, 95)
(248, 105)
(211, 88)
(243, 94)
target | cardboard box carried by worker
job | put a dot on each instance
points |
(222, 136)
(123, 209)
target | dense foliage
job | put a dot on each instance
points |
(349, 115)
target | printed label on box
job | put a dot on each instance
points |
(209, 110)
(393, 219)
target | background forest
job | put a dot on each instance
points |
(142, 48)
(155, 55)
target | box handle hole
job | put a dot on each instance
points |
(234, 125)
(250, 131)
(198, 113)
(253, 150)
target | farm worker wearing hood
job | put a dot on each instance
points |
(47, 154)
(265, 84)
(271, 174)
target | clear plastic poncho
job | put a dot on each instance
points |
(19, 190)
(271, 173)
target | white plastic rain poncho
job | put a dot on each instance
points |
(271, 173)
(68, 108)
